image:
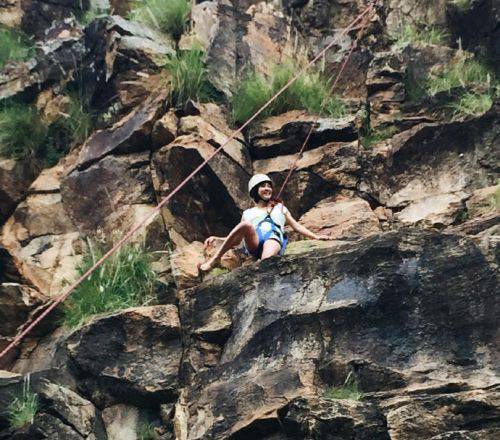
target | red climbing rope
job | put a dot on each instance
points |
(363, 26)
(134, 229)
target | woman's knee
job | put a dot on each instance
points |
(270, 249)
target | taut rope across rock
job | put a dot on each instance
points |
(157, 209)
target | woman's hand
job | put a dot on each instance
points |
(209, 242)
(324, 237)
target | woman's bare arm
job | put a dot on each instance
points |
(297, 227)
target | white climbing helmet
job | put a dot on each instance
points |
(257, 180)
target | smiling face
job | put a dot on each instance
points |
(265, 191)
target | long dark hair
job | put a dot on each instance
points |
(273, 201)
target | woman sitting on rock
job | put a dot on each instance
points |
(262, 227)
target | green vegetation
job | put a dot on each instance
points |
(219, 271)
(124, 280)
(466, 85)
(93, 13)
(23, 408)
(76, 123)
(169, 16)
(146, 431)
(189, 77)
(473, 104)
(461, 5)
(14, 46)
(348, 391)
(410, 34)
(463, 72)
(22, 132)
(372, 137)
(311, 92)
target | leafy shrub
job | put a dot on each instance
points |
(14, 46)
(123, 280)
(311, 92)
(23, 408)
(189, 77)
(410, 34)
(22, 132)
(170, 16)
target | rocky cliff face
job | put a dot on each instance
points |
(388, 332)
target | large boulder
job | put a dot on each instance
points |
(393, 312)
(285, 134)
(237, 36)
(319, 173)
(66, 47)
(341, 218)
(106, 198)
(132, 356)
(209, 204)
(62, 414)
(429, 171)
(42, 241)
(15, 178)
(129, 135)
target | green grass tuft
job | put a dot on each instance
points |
(14, 46)
(461, 5)
(309, 92)
(189, 77)
(23, 408)
(146, 431)
(124, 280)
(93, 13)
(410, 34)
(472, 104)
(76, 124)
(463, 72)
(169, 16)
(373, 137)
(22, 132)
(348, 391)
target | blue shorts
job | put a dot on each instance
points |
(257, 253)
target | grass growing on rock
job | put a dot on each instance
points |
(310, 92)
(374, 136)
(22, 132)
(124, 280)
(410, 34)
(466, 85)
(146, 431)
(14, 46)
(348, 391)
(461, 5)
(24, 407)
(189, 77)
(169, 16)
(76, 123)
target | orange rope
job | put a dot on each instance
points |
(135, 228)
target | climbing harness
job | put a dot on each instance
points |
(268, 229)
(58, 300)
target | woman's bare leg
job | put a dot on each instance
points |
(270, 249)
(243, 230)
